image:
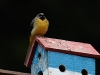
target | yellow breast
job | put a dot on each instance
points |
(41, 27)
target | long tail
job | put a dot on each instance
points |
(31, 39)
(29, 49)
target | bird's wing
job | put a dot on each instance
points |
(30, 28)
(32, 22)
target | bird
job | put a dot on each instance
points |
(39, 26)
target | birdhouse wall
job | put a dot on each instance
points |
(39, 62)
(66, 64)
(55, 63)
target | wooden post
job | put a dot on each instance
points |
(7, 72)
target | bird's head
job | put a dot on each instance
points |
(40, 19)
(41, 16)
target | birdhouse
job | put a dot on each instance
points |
(49, 56)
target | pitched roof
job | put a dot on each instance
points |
(64, 46)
